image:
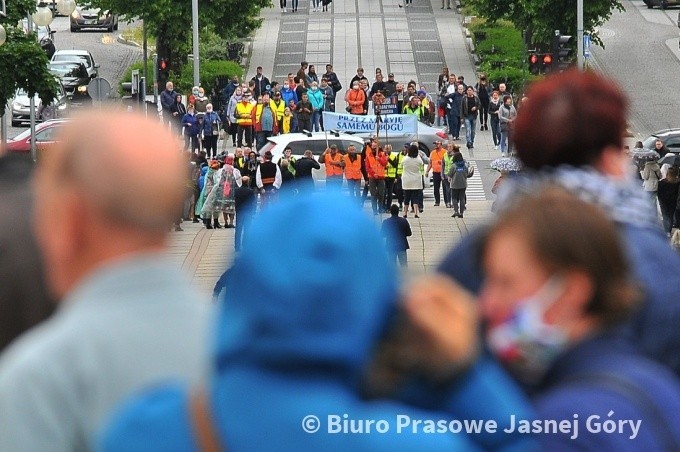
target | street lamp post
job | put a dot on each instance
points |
(3, 38)
(194, 17)
(42, 17)
(579, 35)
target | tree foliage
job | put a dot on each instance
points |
(23, 63)
(540, 18)
(170, 21)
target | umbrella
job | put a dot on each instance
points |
(670, 159)
(506, 164)
(645, 154)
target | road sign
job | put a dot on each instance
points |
(586, 46)
(99, 89)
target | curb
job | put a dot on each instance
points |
(120, 39)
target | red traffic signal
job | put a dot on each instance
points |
(547, 59)
(163, 64)
(533, 59)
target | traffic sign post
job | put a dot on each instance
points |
(99, 89)
(586, 46)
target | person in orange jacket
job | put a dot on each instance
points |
(353, 172)
(356, 98)
(376, 162)
(335, 165)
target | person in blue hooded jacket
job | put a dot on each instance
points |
(288, 93)
(570, 132)
(300, 321)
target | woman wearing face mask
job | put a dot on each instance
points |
(193, 96)
(355, 98)
(553, 318)
(506, 116)
(316, 98)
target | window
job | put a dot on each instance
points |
(45, 135)
(673, 143)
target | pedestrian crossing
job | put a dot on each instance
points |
(475, 189)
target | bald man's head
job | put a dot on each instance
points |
(127, 166)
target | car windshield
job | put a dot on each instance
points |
(649, 142)
(64, 57)
(68, 70)
(23, 135)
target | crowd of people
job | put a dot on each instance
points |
(554, 326)
(254, 111)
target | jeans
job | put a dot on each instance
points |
(354, 186)
(470, 124)
(505, 145)
(315, 4)
(261, 138)
(248, 131)
(334, 182)
(316, 121)
(458, 200)
(242, 221)
(437, 181)
(495, 130)
(447, 190)
(377, 187)
(294, 5)
(454, 125)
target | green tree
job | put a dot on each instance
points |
(23, 63)
(170, 21)
(540, 18)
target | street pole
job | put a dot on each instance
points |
(34, 150)
(3, 129)
(579, 35)
(145, 52)
(194, 16)
(155, 80)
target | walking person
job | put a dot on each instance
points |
(221, 197)
(506, 115)
(458, 176)
(495, 104)
(230, 114)
(469, 111)
(484, 94)
(396, 231)
(447, 163)
(436, 157)
(412, 180)
(282, 4)
(454, 102)
(315, 5)
(651, 175)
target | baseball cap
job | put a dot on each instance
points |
(421, 92)
(390, 75)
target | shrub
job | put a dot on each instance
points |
(127, 76)
(210, 71)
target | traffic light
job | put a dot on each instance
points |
(547, 63)
(562, 48)
(163, 68)
(534, 64)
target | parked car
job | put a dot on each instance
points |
(21, 110)
(45, 134)
(425, 137)
(317, 142)
(670, 138)
(93, 18)
(74, 78)
(45, 37)
(663, 4)
(75, 55)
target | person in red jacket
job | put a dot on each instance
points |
(376, 162)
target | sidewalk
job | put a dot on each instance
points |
(413, 43)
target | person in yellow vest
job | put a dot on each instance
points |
(393, 163)
(436, 157)
(288, 123)
(335, 165)
(243, 114)
(353, 172)
(447, 163)
(278, 106)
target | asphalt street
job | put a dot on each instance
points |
(112, 57)
(641, 54)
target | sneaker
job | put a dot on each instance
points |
(503, 154)
(495, 147)
(285, 10)
(436, 204)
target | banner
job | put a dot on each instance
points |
(344, 122)
(389, 107)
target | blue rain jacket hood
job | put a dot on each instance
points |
(300, 317)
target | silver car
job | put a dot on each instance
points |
(21, 110)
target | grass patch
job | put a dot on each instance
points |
(136, 34)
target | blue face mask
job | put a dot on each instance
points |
(524, 342)
(195, 92)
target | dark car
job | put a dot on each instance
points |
(93, 18)
(74, 77)
(45, 37)
(670, 138)
(663, 4)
